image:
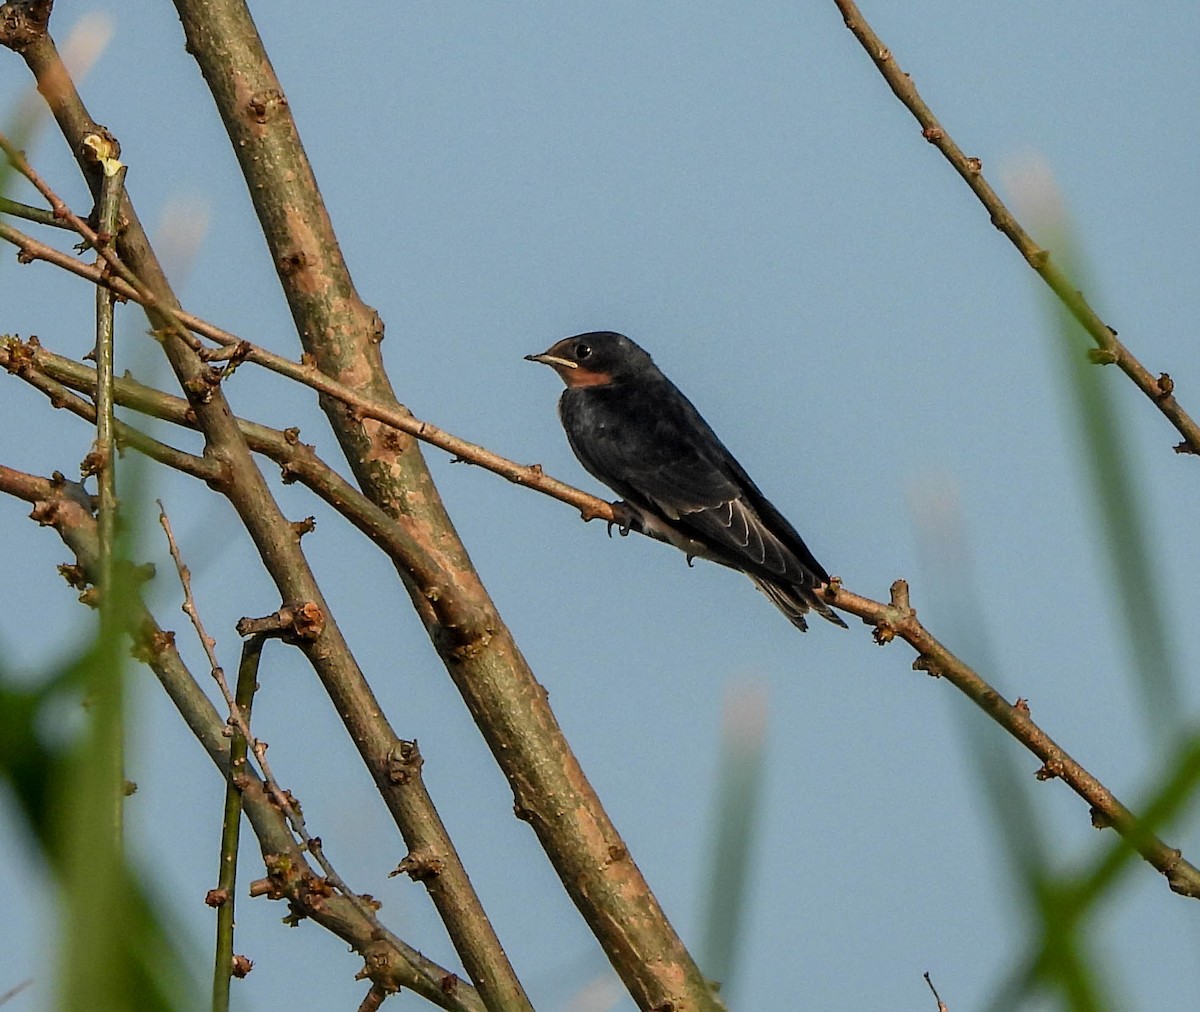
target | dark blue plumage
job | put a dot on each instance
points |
(633, 430)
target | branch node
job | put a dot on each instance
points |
(199, 388)
(898, 612)
(1102, 356)
(45, 512)
(419, 867)
(95, 461)
(1051, 769)
(900, 600)
(377, 327)
(395, 441)
(470, 645)
(74, 575)
(24, 24)
(405, 762)
(293, 262)
(302, 527)
(303, 621)
(20, 358)
(152, 643)
(927, 664)
(266, 887)
(263, 103)
(102, 148)
(1166, 386)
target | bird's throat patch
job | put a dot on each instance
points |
(582, 377)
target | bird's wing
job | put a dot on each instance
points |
(660, 454)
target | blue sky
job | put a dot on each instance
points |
(735, 188)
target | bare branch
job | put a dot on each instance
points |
(19, 358)
(389, 962)
(38, 215)
(898, 618)
(276, 541)
(105, 467)
(1109, 350)
(226, 965)
(894, 619)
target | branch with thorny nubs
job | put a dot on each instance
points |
(390, 962)
(342, 336)
(896, 619)
(1109, 349)
(131, 257)
(468, 632)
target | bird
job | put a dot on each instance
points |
(636, 432)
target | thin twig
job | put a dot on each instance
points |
(103, 149)
(899, 619)
(49, 372)
(941, 1007)
(67, 508)
(1181, 875)
(380, 747)
(15, 990)
(102, 461)
(105, 453)
(374, 999)
(478, 650)
(239, 718)
(231, 823)
(1109, 350)
(39, 215)
(18, 357)
(890, 620)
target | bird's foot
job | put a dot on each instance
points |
(624, 518)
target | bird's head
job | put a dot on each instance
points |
(594, 359)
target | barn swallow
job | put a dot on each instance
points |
(632, 429)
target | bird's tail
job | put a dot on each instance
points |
(795, 602)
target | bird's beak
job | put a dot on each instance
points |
(554, 361)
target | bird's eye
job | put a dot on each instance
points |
(582, 350)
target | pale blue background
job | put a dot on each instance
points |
(735, 187)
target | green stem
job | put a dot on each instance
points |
(106, 447)
(36, 214)
(227, 879)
